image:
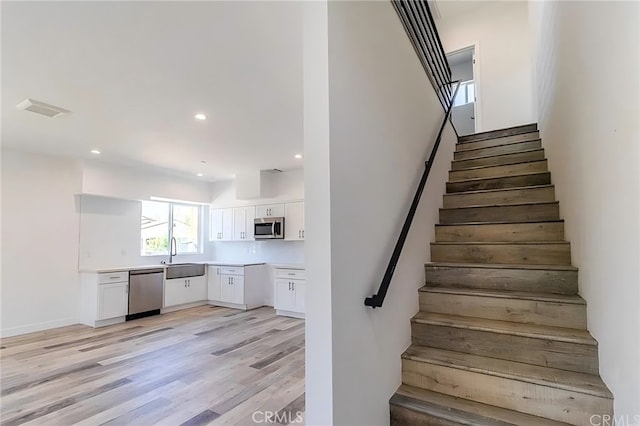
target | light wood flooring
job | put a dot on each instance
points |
(205, 365)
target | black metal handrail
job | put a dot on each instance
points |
(421, 29)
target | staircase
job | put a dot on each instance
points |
(501, 335)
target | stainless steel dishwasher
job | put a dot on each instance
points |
(145, 292)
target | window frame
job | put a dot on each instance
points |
(170, 225)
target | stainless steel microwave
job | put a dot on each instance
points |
(268, 228)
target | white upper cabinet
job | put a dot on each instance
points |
(221, 226)
(294, 221)
(243, 223)
(270, 210)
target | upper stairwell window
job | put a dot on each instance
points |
(466, 93)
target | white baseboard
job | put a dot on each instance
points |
(39, 326)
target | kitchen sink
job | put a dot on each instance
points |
(184, 270)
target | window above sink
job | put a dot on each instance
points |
(156, 230)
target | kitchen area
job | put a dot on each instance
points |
(235, 252)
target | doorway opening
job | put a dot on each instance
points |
(465, 105)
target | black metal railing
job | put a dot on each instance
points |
(421, 29)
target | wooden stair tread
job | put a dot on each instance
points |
(502, 266)
(484, 206)
(498, 243)
(559, 334)
(498, 177)
(505, 294)
(497, 222)
(463, 411)
(545, 376)
(516, 188)
(500, 155)
(507, 131)
(496, 165)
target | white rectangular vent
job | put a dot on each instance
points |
(41, 108)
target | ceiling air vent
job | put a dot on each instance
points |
(41, 108)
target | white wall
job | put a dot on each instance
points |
(40, 287)
(503, 60)
(285, 186)
(462, 71)
(383, 117)
(110, 234)
(587, 85)
(110, 180)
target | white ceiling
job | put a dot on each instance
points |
(448, 9)
(134, 74)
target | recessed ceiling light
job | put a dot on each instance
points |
(199, 174)
(201, 117)
(298, 156)
(95, 151)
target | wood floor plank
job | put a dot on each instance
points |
(204, 365)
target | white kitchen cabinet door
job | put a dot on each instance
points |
(196, 289)
(299, 289)
(270, 210)
(113, 300)
(237, 282)
(285, 297)
(243, 223)
(213, 283)
(239, 224)
(294, 221)
(226, 289)
(221, 226)
(250, 215)
(175, 292)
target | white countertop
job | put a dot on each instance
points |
(162, 265)
(288, 266)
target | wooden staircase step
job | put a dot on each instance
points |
(412, 406)
(546, 346)
(532, 252)
(531, 308)
(503, 140)
(499, 170)
(502, 196)
(497, 150)
(508, 131)
(516, 231)
(532, 278)
(511, 213)
(495, 160)
(559, 395)
(514, 181)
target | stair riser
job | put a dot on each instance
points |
(500, 182)
(523, 254)
(499, 160)
(557, 404)
(527, 128)
(498, 171)
(488, 143)
(401, 416)
(511, 196)
(523, 213)
(536, 351)
(503, 309)
(497, 150)
(543, 281)
(549, 231)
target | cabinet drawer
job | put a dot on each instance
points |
(232, 270)
(292, 274)
(113, 277)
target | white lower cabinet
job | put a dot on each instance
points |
(104, 298)
(290, 286)
(180, 291)
(213, 283)
(241, 287)
(113, 300)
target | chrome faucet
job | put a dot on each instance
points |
(173, 250)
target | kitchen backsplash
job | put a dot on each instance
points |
(258, 251)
